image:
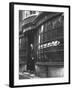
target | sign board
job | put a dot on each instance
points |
(49, 44)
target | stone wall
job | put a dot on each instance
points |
(48, 71)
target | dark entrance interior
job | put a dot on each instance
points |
(30, 60)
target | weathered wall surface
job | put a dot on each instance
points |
(45, 71)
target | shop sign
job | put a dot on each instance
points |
(49, 44)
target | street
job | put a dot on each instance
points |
(27, 75)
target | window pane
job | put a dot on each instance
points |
(45, 27)
(41, 38)
(45, 36)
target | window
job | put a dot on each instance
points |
(50, 40)
(42, 28)
(32, 12)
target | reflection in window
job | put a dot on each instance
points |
(39, 38)
(42, 27)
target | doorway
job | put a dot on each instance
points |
(31, 58)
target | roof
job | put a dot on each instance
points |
(36, 20)
(48, 15)
(29, 19)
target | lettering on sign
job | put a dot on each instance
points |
(50, 44)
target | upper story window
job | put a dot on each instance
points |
(32, 12)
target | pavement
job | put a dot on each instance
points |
(27, 75)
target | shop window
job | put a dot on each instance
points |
(45, 29)
(45, 37)
(50, 39)
(49, 27)
(42, 28)
(54, 24)
(41, 38)
(54, 56)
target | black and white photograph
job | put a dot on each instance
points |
(41, 44)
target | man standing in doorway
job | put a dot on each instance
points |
(32, 68)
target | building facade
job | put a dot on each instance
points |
(46, 33)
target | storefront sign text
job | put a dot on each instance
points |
(49, 44)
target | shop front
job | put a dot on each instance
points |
(49, 45)
(45, 44)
